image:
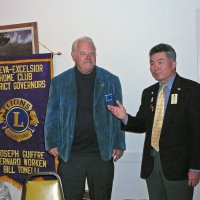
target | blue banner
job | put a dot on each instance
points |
(24, 86)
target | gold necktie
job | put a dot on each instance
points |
(158, 119)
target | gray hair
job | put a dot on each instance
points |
(76, 42)
(171, 54)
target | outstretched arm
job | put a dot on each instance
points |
(118, 111)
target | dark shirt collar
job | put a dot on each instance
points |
(81, 75)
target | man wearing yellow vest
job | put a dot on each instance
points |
(170, 115)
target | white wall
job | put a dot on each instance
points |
(198, 38)
(123, 31)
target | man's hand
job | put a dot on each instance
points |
(118, 111)
(53, 152)
(193, 178)
(117, 154)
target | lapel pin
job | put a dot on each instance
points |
(174, 98)
(151, 108)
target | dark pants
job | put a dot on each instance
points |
(160, 188)
(99, 176)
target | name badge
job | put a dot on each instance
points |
(174, 98)
(109, 99)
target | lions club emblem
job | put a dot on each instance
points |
(18, 120)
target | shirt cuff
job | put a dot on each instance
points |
(195, 170)
(125, 121)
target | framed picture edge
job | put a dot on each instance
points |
(23, 25)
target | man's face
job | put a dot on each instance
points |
(84, 57)
(161, 67)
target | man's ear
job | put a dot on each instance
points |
(174, 64)
(73, 56)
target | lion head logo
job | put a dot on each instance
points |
(18, 119)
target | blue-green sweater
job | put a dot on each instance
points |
(61, 113)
